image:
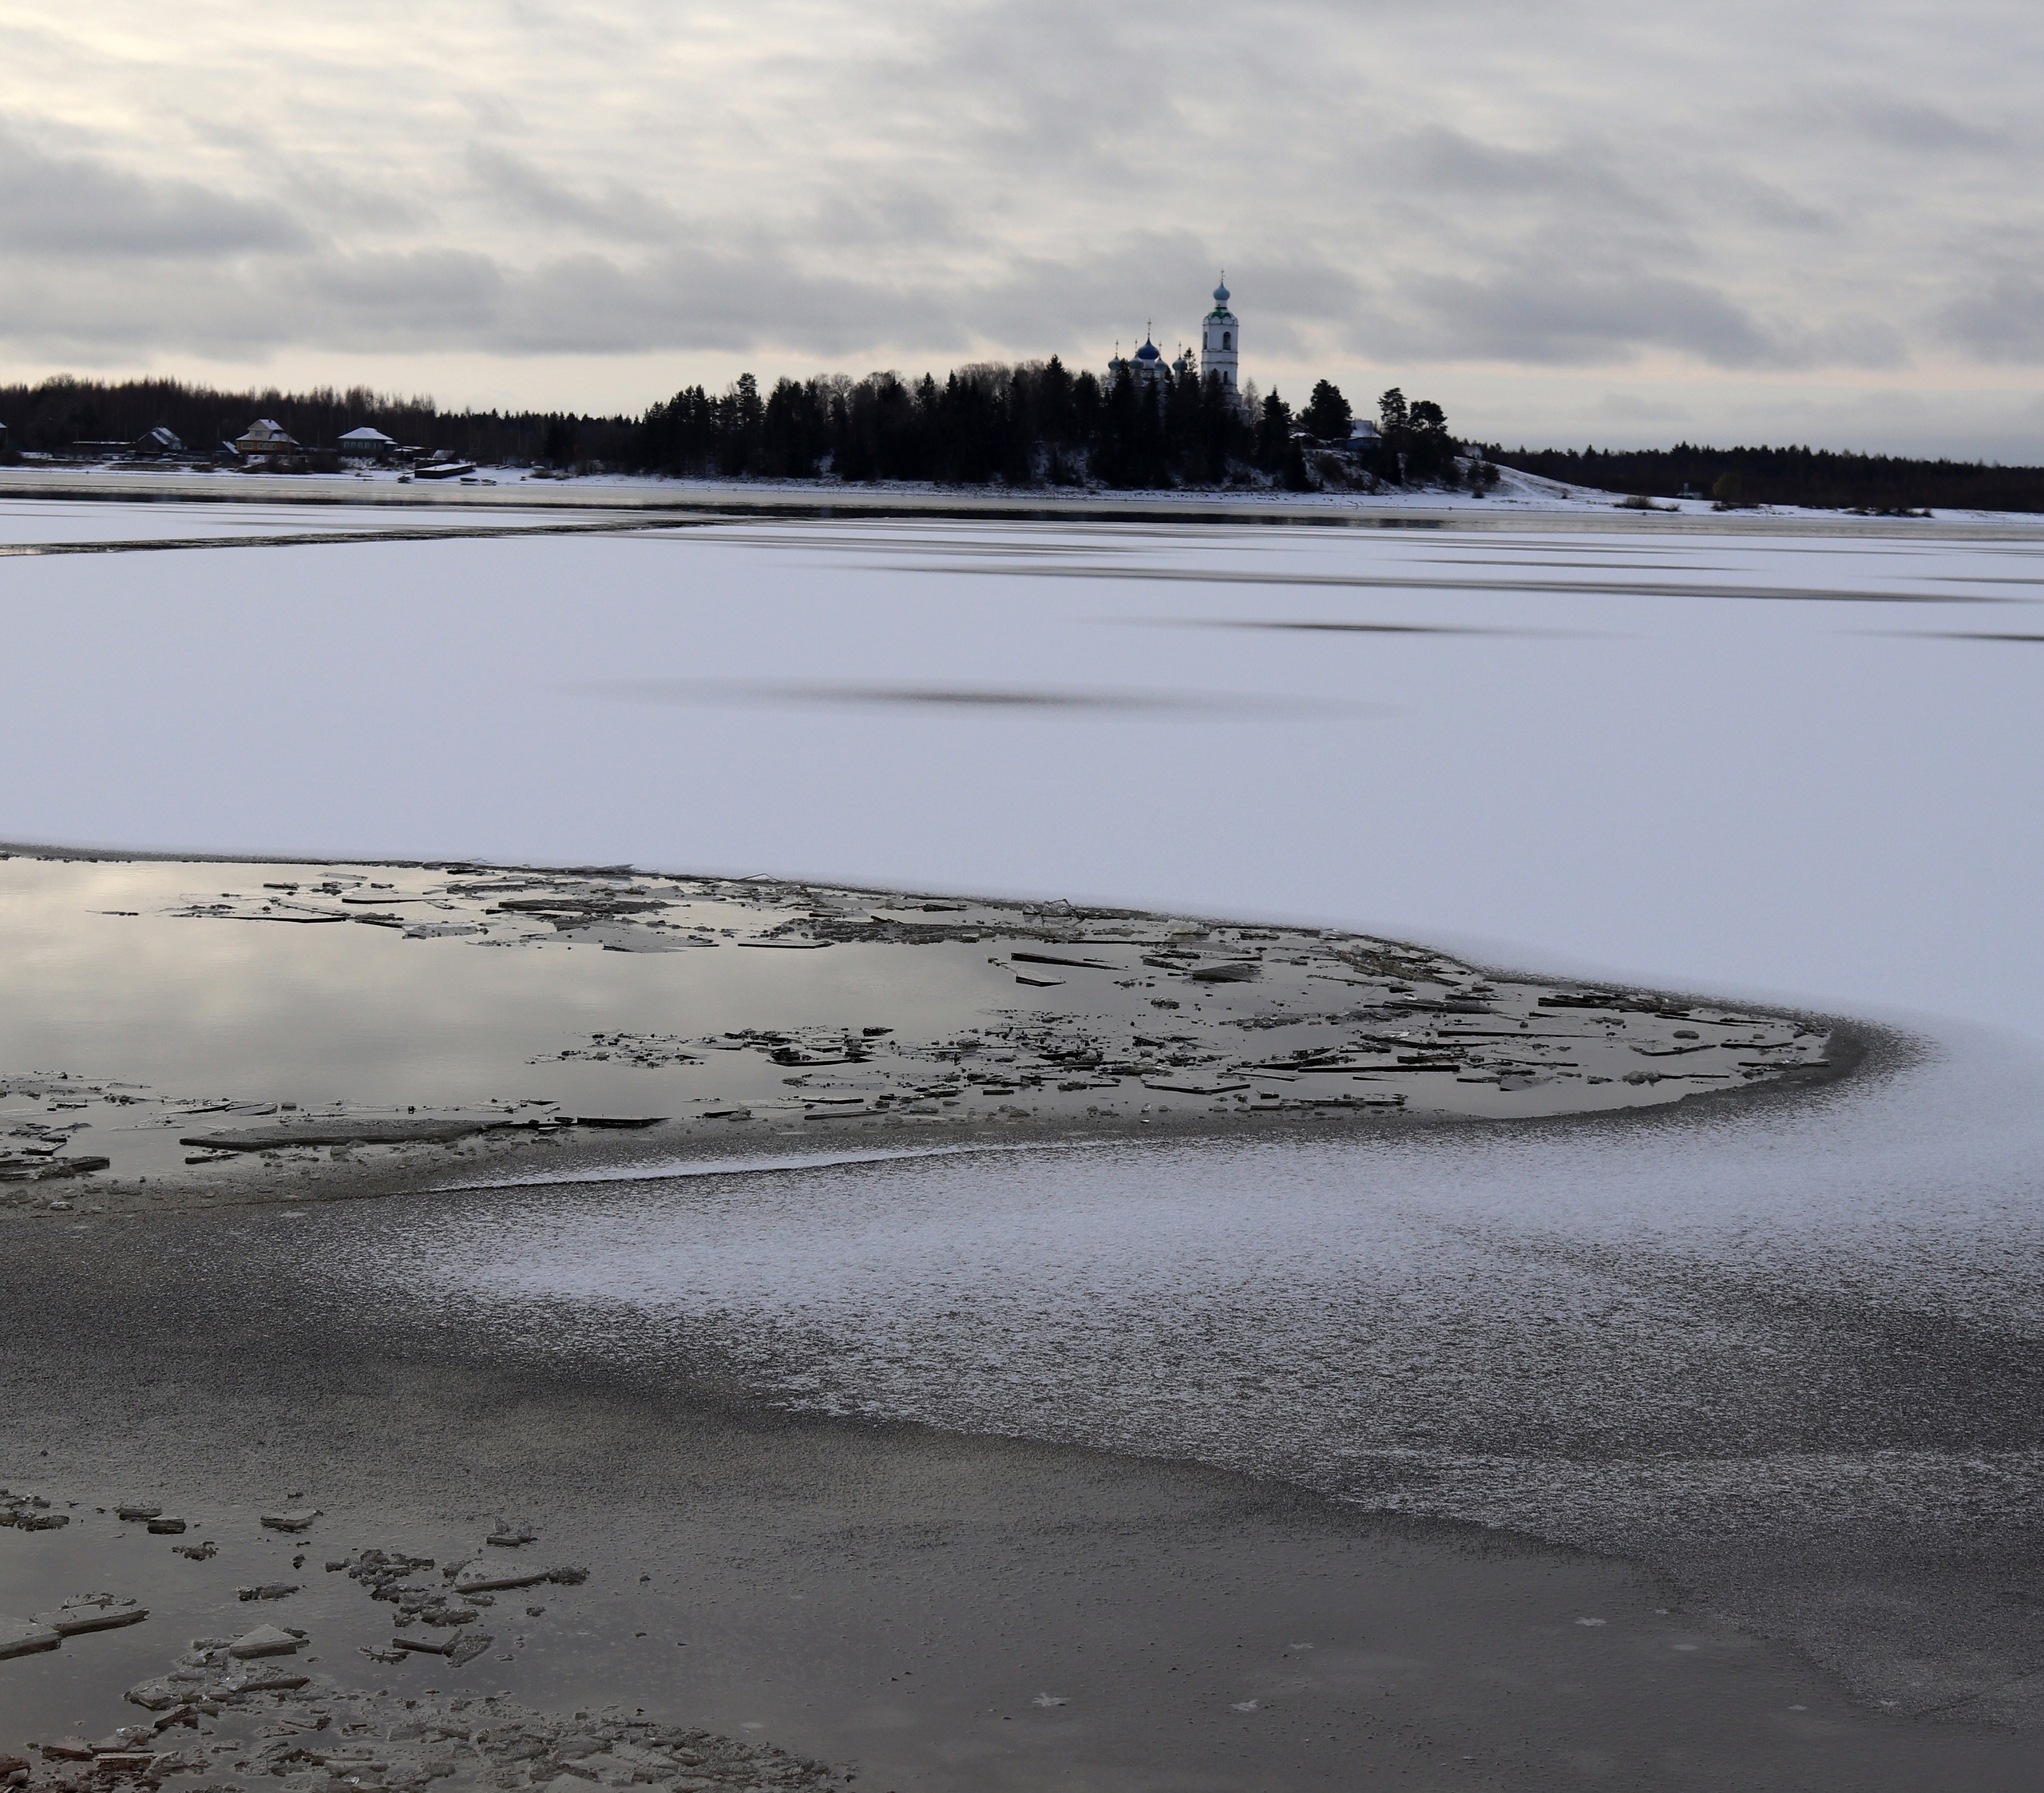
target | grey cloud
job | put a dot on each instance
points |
(1764, 202)
(1547, 313)
(895, 215)
(1893, 121)
(1028, 75)
(1144, 105)
(1159, 277)
(2002, 321)
(461, 300)
(700, 298)
(1580, 175)
(915, 183)
(615, 211)
(386, 300)
(1630, 407)
(87, 207)
(1853, 339)
(757, 297)
(431, 296)
(343, 202)
(1904, 124)
(493, 112)
(98, 316)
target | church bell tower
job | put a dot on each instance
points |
(1220, 348)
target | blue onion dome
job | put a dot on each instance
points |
(1221, 294)
(1148, 352)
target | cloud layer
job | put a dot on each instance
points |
(1838, 192)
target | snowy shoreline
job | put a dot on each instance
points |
(1522, 501)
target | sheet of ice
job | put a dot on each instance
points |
(30, 520)
(1790, 1358)
(1794, 1359)
(1802, 767)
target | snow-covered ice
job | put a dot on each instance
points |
(1800, 766)
(1788, 1355)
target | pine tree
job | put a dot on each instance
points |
(1327, 414)
(1274, 434)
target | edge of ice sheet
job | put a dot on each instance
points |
(668, 1170)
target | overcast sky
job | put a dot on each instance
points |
(1569, 219)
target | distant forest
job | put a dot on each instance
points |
(1036, 424)
(50, 417)
(1040, 424)
(1817, 477)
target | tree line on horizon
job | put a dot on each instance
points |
(50, 417)
(1823, 479)
(1036, 424)
(1033, 424)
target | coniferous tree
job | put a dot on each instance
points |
(1274, 434)
(1417, 449)
(560, 446)
(1429, 448)
(1297, 477)
(1056, 415)
(1393, 414)
(1327, 414)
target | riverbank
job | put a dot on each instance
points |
(1522, 502)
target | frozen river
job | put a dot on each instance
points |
(1802, 767)
(1791, 1355)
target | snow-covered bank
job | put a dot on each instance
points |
(1521, 501)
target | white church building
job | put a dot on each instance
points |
(1221, 345)
(1219, 352)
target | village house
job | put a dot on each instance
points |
(366, 444)
(265, 436)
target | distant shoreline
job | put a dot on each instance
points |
(1561, 510)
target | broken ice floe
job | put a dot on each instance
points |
(931, 1012)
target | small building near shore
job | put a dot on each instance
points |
(366, 444)
(266, 436)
